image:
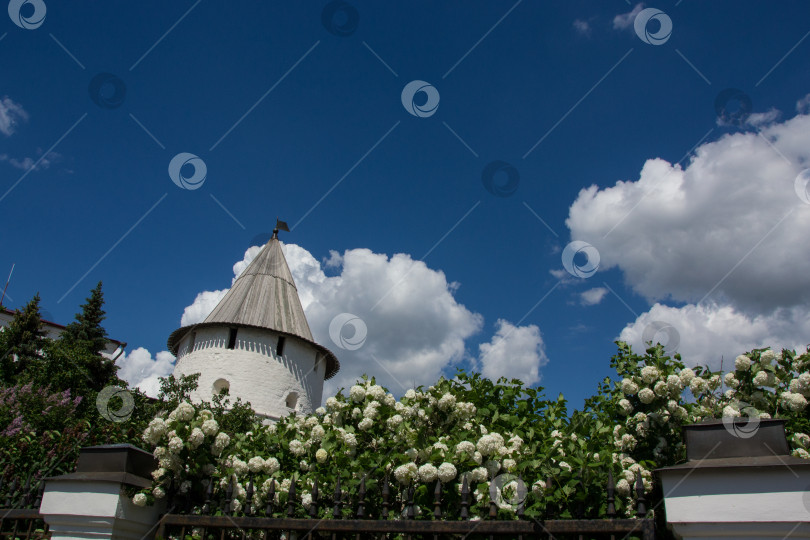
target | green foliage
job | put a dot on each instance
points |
(87, 334)
(48, 395)
(489, 432)
(21, 342)
(87, 326)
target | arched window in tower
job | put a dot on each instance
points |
(280, 346)
(221, 386)
(292, 400)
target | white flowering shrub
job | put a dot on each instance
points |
(468, 428)
(641, 414)
(476, 429)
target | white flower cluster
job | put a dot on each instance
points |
(649, 374)
(407, 473)
(742, 363)
(297, 448)
(767, 357)
(629, 387)
(698, 385)
(793, 401)
(490, 444)
(686, 375)
(155, 431)
(357, 393)
(801, 385)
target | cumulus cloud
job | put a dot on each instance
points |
(624, 21)
(728, 228)
(415, 327)
(514, 352)
(708, 333)
(592, 296)
(203, 304)
(11, 114)
(803, 105)
(140, 370)
(582, 27)
(761, 119)
(725, 235)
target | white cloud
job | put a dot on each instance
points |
(761, 119)
(803, 105)
(624, 21)
(582, 27)
(11, 114)
(708, 333)
(27, 162)
(415, 326)
(730, 223)
(140, 370)
(725, 234)
(416, 330)
(203, 304)
(514, 352)
(592, 296)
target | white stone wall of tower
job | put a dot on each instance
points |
(253, 370)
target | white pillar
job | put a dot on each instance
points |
(91, 503)
(737, 484)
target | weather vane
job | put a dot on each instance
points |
(280, 226)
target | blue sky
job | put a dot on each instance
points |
(304, 120)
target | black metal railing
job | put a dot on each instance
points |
(19, 511)
(337, 516)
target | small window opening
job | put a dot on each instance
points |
(292, 400)
(280, 345)
(232, 338)
(221, 386)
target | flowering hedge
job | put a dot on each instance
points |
(38, 435)
(499, 435)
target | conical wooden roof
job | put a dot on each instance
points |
(264, 296)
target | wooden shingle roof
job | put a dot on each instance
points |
(263, 296)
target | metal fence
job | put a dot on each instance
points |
(337, 516)
(19, 512)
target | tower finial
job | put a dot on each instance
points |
(280, 225)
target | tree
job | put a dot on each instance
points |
(21, 341)
(86, 331)
(87, 326)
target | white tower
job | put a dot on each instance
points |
(256, 344)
